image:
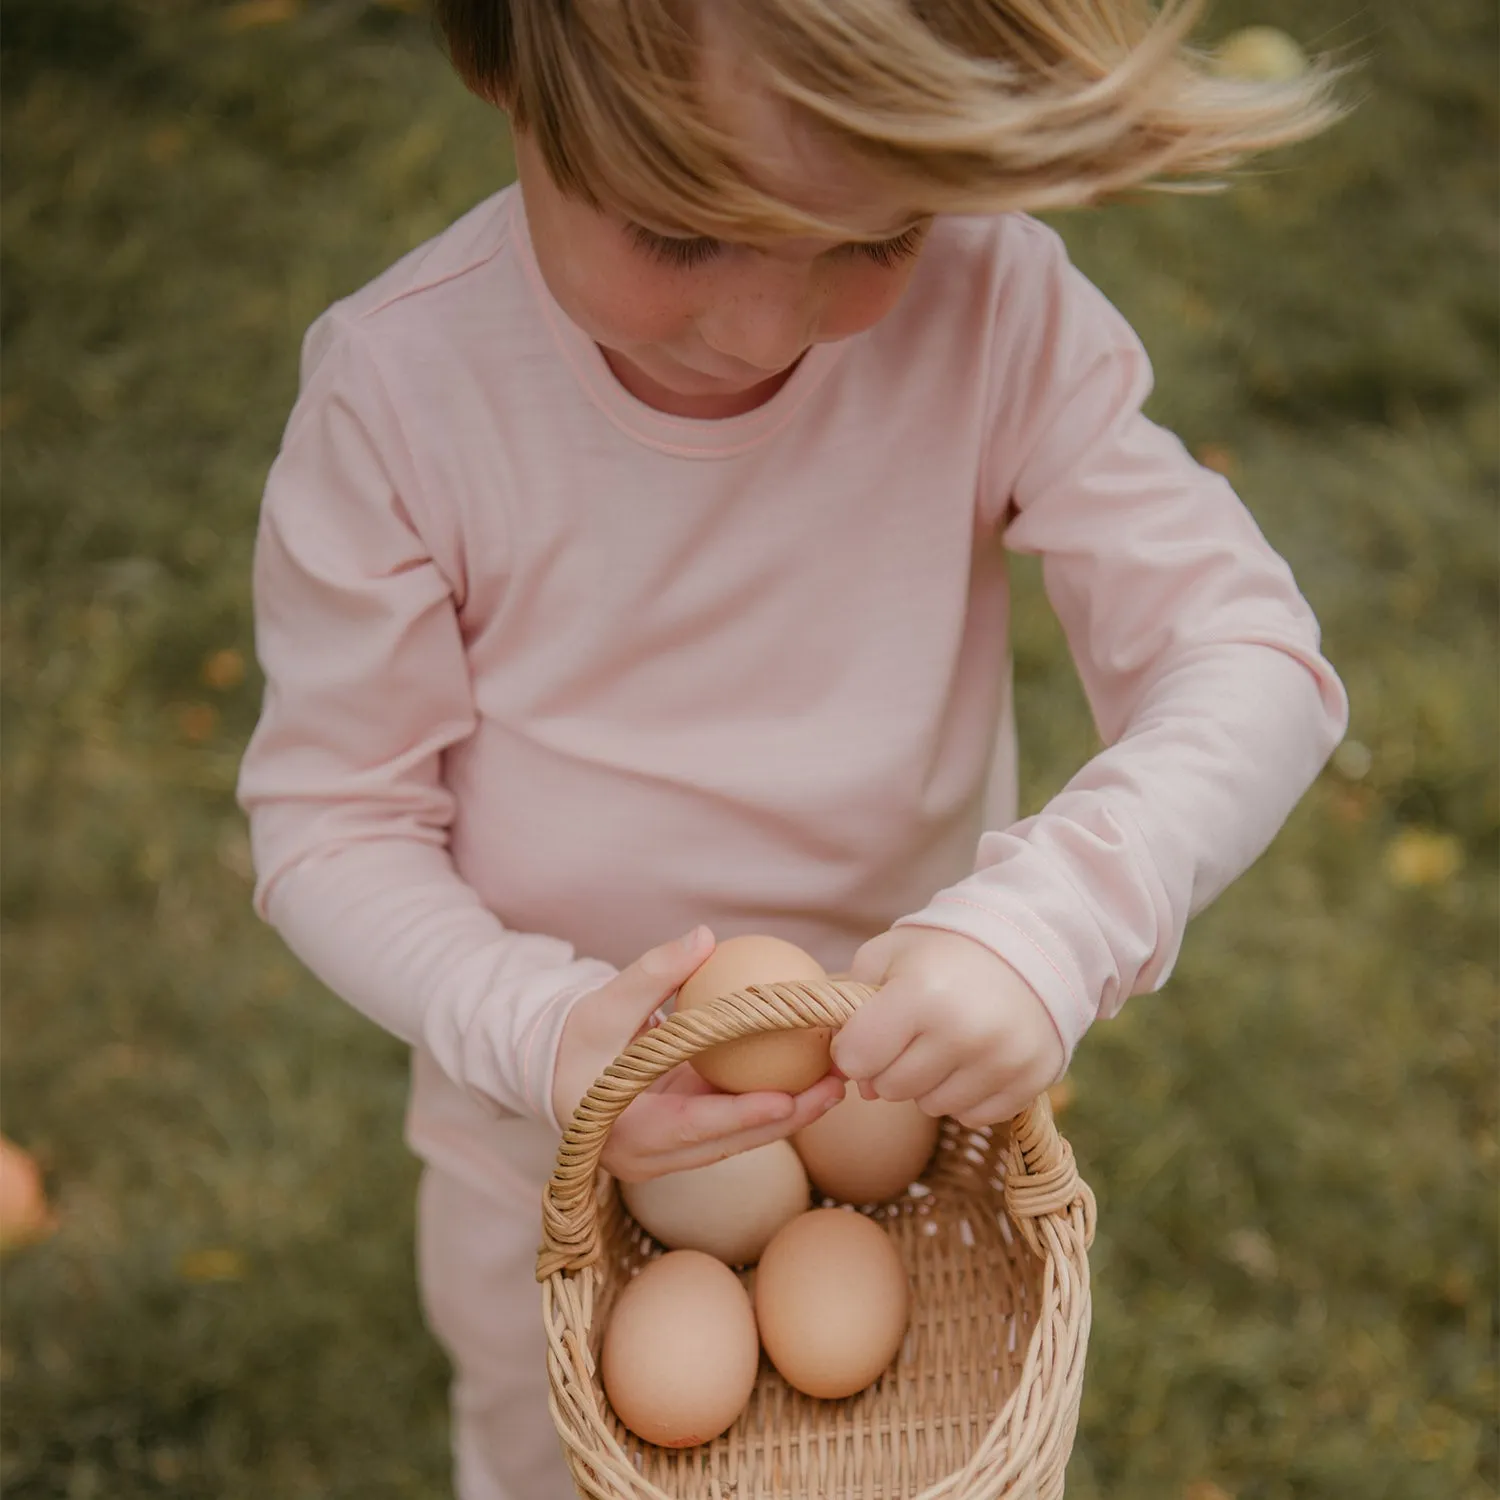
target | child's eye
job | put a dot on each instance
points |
(686, 251)
(891, 252)
(683, 253)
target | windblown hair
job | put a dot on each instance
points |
(972, 106)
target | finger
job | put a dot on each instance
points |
(704, 1119)
(823, 1095)
(723, 1148)
(922, 1066)
(714, 1120)
(705, 1133)
(876, 1034)
(995, 1110)
(659, 1133)
(870, 964)
(961, 1094)
(657, 974)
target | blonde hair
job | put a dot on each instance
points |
(970, 106)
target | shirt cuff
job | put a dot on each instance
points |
(539, 1046)
(1018, 935)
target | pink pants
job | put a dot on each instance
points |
(477, 1239)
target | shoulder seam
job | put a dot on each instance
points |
(415, 497)
(501, 241)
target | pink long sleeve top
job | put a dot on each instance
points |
(552, 676)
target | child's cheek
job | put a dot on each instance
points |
(628, 304)
(863, 296)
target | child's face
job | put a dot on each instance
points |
(700, 328)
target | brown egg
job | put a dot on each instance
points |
(680, 1351)
(832, 1302)
(784, 1060)
(866, 1150)
(729, 1209)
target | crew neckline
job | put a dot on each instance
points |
(705, 437)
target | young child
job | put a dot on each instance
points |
(634, 565)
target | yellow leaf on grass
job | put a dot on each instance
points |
(251, 13)
(1352, 804)
(1437, 1431)
(165, 144)
(1457, 1287)
(1197, 311)
(25, 1216)
(224, 669)
(214, 1264)
(198, 721)
(1422, 856)
(1206, 1489)
(1217, 457)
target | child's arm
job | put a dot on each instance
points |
(1201, 663)
(367, 684)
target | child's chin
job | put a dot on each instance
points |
(692, 382)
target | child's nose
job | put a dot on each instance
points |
(767, 326)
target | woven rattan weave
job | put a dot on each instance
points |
(981, 1403)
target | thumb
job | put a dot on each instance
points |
(871, 965)
(873, 960)
(658, 973)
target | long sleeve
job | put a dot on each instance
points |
(1198, 654)
(367, 686)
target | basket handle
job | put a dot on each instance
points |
(570, 1205)
(1041, 1177)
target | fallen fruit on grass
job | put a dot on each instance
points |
(24, 1214)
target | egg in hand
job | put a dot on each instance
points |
(786, 1060)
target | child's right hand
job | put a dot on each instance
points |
(679, 1121)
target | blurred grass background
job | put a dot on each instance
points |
(1294, 1147)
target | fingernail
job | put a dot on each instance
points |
(692, 940)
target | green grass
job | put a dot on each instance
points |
(1294, 1146)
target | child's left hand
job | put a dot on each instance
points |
(953, 1027)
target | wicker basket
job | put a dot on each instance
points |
(982, 1400)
